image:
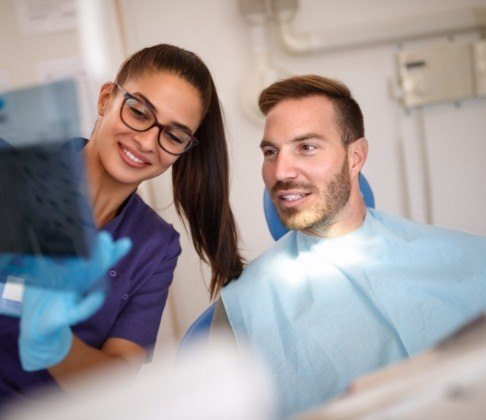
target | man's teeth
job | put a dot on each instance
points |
(132, 156)
(292, 197)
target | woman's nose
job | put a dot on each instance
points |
(148, 140)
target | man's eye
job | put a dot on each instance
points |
(308, 147)
(269, 152)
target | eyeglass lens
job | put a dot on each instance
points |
(136, 115)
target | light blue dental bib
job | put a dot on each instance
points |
(322, 312)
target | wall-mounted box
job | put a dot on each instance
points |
(436, 74)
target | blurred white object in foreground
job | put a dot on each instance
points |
(210, 381)
(447, 382)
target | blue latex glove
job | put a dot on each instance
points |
(75, 273)
(45, 333)
(47, 314)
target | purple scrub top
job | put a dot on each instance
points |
(138, 290)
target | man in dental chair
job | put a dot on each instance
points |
(348, 289)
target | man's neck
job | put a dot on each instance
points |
(350, 218)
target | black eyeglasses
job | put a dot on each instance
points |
(136, 115)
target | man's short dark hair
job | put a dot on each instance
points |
(348, 113)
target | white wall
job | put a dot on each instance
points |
(20, 53)
(454, 134)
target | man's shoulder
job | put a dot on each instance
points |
(412, 229)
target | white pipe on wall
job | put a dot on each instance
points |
(400, 29)
(100, 38)
(264, 72)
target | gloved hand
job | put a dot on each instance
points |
(45, 333)
(47, 314)
(74, 273)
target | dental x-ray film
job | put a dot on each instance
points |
(44, 206)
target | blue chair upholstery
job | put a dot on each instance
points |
(276, 227)
(200, 327)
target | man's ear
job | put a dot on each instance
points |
(357, 154)
(104, 97)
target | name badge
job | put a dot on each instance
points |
(14, 289)
(12, 292)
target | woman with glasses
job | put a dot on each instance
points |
(161, 111)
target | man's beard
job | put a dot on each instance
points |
(332, 200)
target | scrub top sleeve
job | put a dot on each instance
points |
(140, 318)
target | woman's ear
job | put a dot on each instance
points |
(357, 154)
(104, 97)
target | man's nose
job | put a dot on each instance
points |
(285, 167)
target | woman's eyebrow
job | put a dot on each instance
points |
(180, 126)
(151, 106)
(147, 101)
